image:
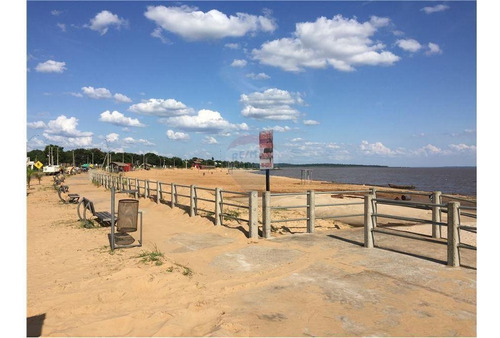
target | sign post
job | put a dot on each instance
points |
(266, 154)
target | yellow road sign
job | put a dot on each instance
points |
(38, 164)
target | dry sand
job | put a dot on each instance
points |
(213, 281)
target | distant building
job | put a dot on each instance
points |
(120, 166)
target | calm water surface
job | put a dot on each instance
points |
(450, 180)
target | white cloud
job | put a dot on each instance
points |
(62, 26)
(64, 131)
(122, 98)
(338, 42)
(205, 121)
(158, 33)
(434, 9)
(113, 137)
(376, 148)
(210, 140)
(105, 19)
(37, 125)
(462, 147)
(51, 66)
(239, 63)
(279, 129)
(232, 45)
(119, 119)
(161, 107)
(177, 136)
(409, 45)
(130, 140)
(260, 76)
(97, 93)
(192, 24)
(429, 150)
(310, 122)
(433, 49)
(55, 12)
(272, 104)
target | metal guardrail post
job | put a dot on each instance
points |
(453, 242)
(191, 201)
(311, 214)
(159, 193)
(217, 206)
(253, 219)
(146, 189)
(369, 221)
(137, 188)
(436, 214)
(266, 214)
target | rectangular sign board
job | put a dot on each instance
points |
(266, 149)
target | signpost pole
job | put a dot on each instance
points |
(268, 184)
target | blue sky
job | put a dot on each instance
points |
(388, 83)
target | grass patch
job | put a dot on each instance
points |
(186, 271)
(155, 256)
(88, 224)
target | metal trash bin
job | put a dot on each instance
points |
(128, 211)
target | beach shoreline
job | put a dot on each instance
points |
(215, 281)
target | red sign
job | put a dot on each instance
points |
(266, 149)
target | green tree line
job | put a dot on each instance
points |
(81, 156)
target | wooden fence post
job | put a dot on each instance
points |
(453, 242)
(253, 217)
(266, 214)
(311, 215)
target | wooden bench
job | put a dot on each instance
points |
(72, 198)
(103, 217)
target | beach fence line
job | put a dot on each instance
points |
(223, 204)
(219, 203)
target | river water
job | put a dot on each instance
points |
(450, 180)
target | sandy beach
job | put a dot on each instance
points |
(214, 281)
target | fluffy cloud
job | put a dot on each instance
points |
(375, 149)
(158, 33)
(462, 147)
(177, 136)
(272, 104)
(205, 121)
(113, 137)
(103, 93)
(105, 19)
(192, 24)
(434, 9)
(131, 140)
(161, 107)
(310, 122)
(210, 140)
(122, 98)
(409, 45)
(51, 66)
(119, 119)
(338, 42)
(260, 76)
(239, 63)
(63, 131)
(433, 48)
(97, 93)
(37, 125)
(279, 129)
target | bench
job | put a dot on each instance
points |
(103, 217)
(72, 198)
